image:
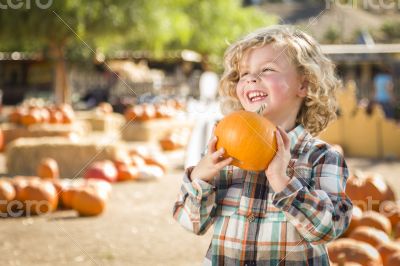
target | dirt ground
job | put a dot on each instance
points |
(136, 229)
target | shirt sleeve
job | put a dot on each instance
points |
(196, 204)
(322, 213)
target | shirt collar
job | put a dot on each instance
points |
(299, 140)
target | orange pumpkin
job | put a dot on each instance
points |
(127, 172)
(392, 211)
(132, 113)
(67, 197)
(388, 249)
(56, 117)
(351, 250)
(248, 138)
(39, 197)
(156, 160)
(149, 112)
(45, 115)
(7, 194)
(137, 160)
(32, 117)
(370, 235)
(16, 115)
(89, 201)
(394, 259)
(376, 220)
(170, 143)
(367, 191)
(48, 169)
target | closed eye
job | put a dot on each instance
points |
(267, 69)
(243, 74)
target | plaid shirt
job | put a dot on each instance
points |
(253, 225)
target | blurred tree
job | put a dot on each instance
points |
(33, 26)
(391, 31)
(204, 26)
(109, 25)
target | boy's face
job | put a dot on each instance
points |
(269, 78)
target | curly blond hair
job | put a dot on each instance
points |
(319, 106)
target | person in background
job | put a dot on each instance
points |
(383, 92)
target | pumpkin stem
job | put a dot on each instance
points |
(261, 109)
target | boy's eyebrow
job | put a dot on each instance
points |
(244, 67)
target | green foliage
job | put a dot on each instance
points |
(109, 25)
(332, 35)
(391, 30)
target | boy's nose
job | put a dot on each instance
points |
(251, 78)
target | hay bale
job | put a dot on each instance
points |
(12, 131)
(152, 130)
(73, 157)
(100, 121)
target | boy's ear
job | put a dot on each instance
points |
(303, 89)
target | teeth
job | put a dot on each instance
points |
(257, 94)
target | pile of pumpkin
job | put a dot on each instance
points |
(175, 140)
(150, 111)
(29, 114)
(373, 237)
(131, 165)
(42, 194)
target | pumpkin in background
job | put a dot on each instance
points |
(89, 201)
(19, 182)
(67, 196)
(137, 160)
(376, 220)
(44, 115)
(32, 117)
(351, 250)
(367, 191)
(370, 235)
(355, 219)
(39, 197)
(16, 115)
(127, 172)
(48, 169)
(56, 117)
(149, 112)
(104, 170)
(172, 142)
(150, 172)
(394, 259)
(248, 138)
(388, 249)
(7, 194)
(69, 188)
(156, 160)
(132, 113)
(392, 211)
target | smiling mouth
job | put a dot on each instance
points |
(255, 96)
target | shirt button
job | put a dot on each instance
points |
(250, 218)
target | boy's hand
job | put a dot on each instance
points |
(211, 163)
(276, 171)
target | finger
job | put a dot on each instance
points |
(279, 140)
(217, 154)
(285, 138)
(224, 163)
(211, 145)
